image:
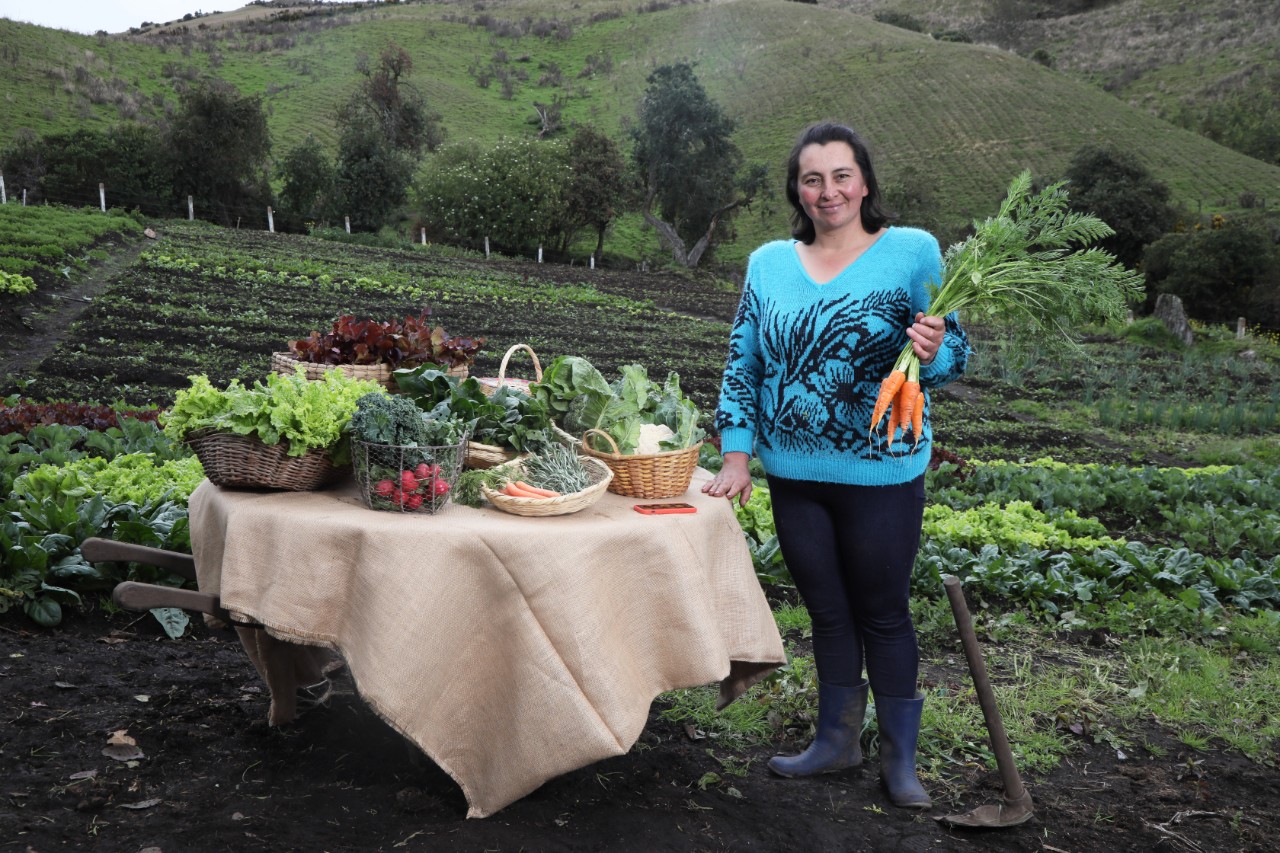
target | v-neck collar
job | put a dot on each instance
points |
(795, 253)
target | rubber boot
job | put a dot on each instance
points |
(836, 745)
(899, 721)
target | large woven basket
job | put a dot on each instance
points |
(242, 461)
(286, 363)
(649, 475)
(599, 473)
(490, 384)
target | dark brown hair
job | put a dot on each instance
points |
(874, 217)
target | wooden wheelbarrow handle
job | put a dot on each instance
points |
(96, 550)
(132, 595)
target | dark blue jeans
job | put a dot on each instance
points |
(850, 550)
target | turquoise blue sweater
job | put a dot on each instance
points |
(806, 361)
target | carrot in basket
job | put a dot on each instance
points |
(542, 493)
(888, 390)
(514, 491)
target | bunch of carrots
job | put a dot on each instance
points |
(1027, 266)
(521, 489)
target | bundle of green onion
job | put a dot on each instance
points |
(1029, 265)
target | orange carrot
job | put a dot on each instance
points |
(512, 490)
(907, 402)
(917, 417)
(895, 413)
(888, 389)
(542, 493)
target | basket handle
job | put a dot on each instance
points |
(607, 438)
(502, 368)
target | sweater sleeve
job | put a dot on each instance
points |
(953, 356)
(740, 387)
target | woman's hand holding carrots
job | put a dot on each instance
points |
(926, 335)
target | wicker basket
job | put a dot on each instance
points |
(286, 363)
(599, 473)
(380, 469)
(242, 461)
(488, 455)
(490, 384)
(650, 475)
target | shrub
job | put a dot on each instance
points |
(15, 283)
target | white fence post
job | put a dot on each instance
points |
(539, 254)
(271, 223)
(191, 209)
(348, 219)
(424, 236)
(3, 198)
(486, 246)
(593, 260)
(102, 197)
(24, 196)
(1242, 328)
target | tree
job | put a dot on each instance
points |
(219, 147)
(1119, 190)
(308, 180)
(512, 193)
(688, 164)
(372, 176)
(1220, 273)
(396, 106)
(600, 187)
(129, 158)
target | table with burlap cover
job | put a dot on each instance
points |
(509, 649)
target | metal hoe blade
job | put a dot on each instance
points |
(1017, 806)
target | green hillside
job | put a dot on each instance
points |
(966, 116)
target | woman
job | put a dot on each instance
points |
(821, 322)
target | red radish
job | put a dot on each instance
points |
(440, 487)
(408, 482)
(426, 472)
(397, 497)
(413, 501)
(384, 487)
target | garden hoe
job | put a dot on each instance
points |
(1017, 805)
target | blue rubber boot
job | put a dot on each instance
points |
(899, 721)
(835, 747)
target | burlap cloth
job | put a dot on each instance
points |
(509, 649)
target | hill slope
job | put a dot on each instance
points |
(966, 117)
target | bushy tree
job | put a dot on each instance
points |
(514, 193)
(219, 148)
(692, 172)
(371, 178)
(389, 99)
(1118, 189)
(601, 187)
(308, 176)
(128, 158)
(1221, 273)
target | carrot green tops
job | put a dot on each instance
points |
(806, 360)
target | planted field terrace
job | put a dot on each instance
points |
(1123, 568)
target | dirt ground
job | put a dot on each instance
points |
(211, 775)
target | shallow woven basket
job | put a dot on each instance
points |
(649, 475)
(242, 461)
(599, 473)
(490, 384)
(286, 363)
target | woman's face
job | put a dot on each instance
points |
(830, 186)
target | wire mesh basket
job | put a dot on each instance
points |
(407, 478)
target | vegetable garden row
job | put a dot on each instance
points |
(1053, 537)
